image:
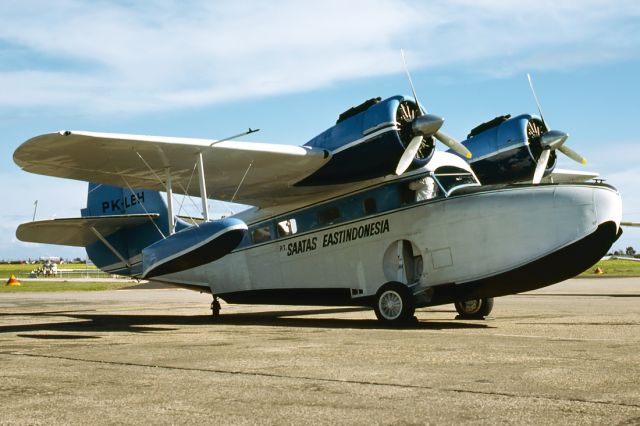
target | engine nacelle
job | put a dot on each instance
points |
(506, 149)
(367, 142)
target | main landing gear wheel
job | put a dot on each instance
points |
(215, 307)
(394, 303)
(474, 309)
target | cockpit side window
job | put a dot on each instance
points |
(261, 234)
(451, 178)
(425, 188)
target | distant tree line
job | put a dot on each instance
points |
(629, 252)
(19, 262)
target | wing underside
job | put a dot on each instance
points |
(252, 173)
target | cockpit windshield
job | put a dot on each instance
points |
(451, 178)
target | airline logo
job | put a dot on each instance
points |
(334, 238)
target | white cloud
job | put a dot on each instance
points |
(56, 198)
(137, 57)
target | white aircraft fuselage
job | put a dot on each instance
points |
(467, 241)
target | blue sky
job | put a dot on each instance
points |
(213, 69)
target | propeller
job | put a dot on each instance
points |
(424, 126)
(550, 140)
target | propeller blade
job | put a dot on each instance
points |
(426, 125)
(541, 166)
(572, 154)
(413, 89)
(536, 98)
(552, 139)
(452, 143)
(408, 155)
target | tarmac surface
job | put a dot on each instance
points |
(566, 354)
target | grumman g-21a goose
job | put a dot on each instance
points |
(368, 213)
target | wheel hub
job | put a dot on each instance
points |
(471, 306)
(390, 305)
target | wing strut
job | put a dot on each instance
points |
(109, 246)
(184, 196)
(168, 189)
(172, 224)
(203, 188)
(142, 205)
(241, 181)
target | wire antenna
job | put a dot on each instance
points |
(248, 132)
(142, 205)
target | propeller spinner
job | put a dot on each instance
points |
(549, 141)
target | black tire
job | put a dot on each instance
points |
(394, 303)
(474, 309)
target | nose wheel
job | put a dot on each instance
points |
(474, 309)
(215, 307)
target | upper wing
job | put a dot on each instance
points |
(267, 171)
(569, 176)
(77, 231)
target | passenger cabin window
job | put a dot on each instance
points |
(287, 227)
(451, 178)
(369, 206)
(261, 234)
(328, 216)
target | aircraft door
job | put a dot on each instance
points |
(402, 262)
(263, 258)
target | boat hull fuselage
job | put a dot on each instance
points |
(487, 242)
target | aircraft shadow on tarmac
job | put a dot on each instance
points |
(94, 322)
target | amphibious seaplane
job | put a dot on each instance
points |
(367, 213)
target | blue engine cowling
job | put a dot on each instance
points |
(367, 142)
(507, 149)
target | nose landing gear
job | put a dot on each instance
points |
(474, 309)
